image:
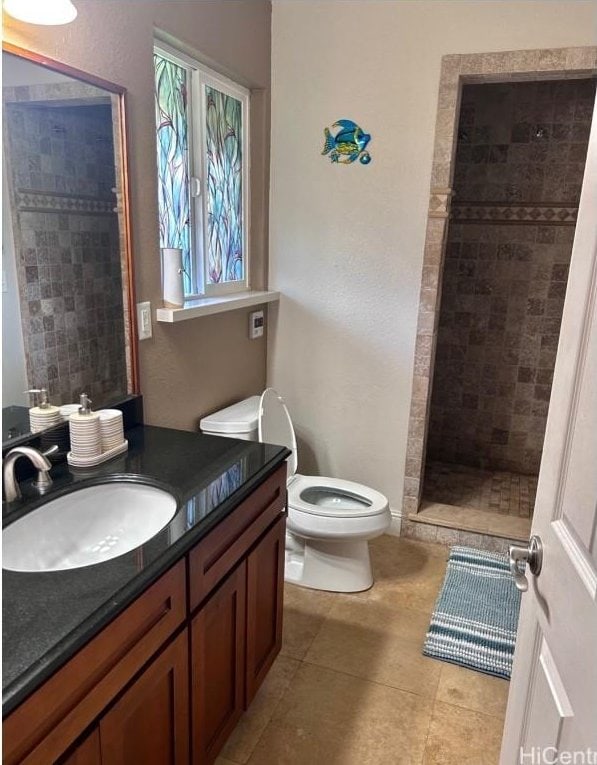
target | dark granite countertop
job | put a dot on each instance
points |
(15, 422)
(47, 617)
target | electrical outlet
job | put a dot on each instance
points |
(144, 320)
(256, 324)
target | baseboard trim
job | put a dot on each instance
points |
(396, 523)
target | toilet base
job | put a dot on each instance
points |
(337, 566)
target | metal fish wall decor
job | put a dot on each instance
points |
(348, 144)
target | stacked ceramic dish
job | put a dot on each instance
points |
(95, 437)
(85, 435)
(55, 437)
(67, 409)
(40, 419)
(111, 429)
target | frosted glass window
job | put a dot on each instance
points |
(202, 151)
(224, 176)
(171, 99)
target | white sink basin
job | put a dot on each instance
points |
(87, 526)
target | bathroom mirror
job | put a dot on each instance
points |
(67, 282)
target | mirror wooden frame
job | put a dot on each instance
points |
(124, 203)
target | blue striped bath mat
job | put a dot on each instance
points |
(476, 614)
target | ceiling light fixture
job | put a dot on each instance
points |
(47, 12)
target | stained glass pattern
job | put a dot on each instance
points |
(216, 492)
(172, 158)
(225, 485)
(224, 239)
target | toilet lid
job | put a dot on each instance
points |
(275, 425)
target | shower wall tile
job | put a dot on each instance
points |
(69, 266)
(81, 307)
(523, 142)
(504, 283)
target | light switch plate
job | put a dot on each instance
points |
(256, 324)
(144, 320)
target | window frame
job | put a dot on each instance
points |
(200, 76)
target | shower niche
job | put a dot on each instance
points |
(518, 172)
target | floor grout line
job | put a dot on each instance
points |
(426, 742)
(368, 680)
(270, 720)
(393, 579)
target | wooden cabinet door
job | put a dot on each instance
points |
(217, 667)
(150, 722)
(46, 724)
(87, 752)
(265, 591)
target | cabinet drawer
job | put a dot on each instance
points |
(45, 725)
(218, 553)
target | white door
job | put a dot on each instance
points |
(552, 708)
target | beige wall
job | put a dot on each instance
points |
(346, 242)
(192, 368)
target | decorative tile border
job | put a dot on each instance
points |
(439, 203)
(507, 66)
(500, 212)
(74, 92)
(28, 200)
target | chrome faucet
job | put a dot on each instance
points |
(39, 460)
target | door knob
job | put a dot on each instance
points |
(521, 556)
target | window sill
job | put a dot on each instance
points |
(193, 309)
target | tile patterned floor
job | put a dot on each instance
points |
(351, 686)
(488, 490)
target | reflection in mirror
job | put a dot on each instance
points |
(65, 312)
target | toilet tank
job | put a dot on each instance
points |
(237, 421)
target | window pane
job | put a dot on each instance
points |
(224, 241)
(173, 161)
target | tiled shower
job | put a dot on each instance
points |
(518, 174)
(62, 177)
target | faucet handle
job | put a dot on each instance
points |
(54, 449)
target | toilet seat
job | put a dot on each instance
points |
(334, 498)
(330, 521)
(315, 495)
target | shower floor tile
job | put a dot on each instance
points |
(493, 491)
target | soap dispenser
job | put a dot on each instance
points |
(84, 426)
(42, 414)
(85, 404)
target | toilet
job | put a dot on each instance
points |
(330, 521)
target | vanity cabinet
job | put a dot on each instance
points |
(167, 680)
(86, 752)
(265, 583)
(235, 637)
(149, 724)
(218, 639)
(44, 727)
